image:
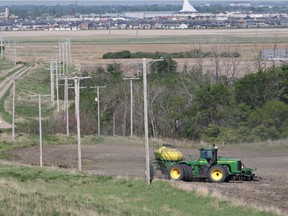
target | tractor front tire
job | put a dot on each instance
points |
(217, 174)
(177, 172)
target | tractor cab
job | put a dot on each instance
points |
(206, 153)
(210, 154)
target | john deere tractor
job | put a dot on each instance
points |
(209, 166)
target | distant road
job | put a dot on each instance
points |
(249, 32)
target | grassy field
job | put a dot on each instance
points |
(87, 46)
(47, 191)
(35, 191)
(33, 83)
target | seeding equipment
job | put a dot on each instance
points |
(209, 166)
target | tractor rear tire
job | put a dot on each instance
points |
(177, 172)
(217, 174)
(189, 175)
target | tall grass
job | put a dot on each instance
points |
(36, 191)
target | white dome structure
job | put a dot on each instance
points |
(187, 7)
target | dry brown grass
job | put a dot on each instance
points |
(207, 189)
(89, 46)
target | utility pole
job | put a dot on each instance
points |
(54, 67)
(69, 52)
(40, 126)
(146, 121)
(57, 84)
(146, 116)
(13, 109)
(15, 53)
(97, 99)
(60, 53)
(52, 83)
(65, 56)
(66, 104)
(131, 101)
(9, 52)
(77, 113)
(2, 48)
(114, 124)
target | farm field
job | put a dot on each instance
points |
(89, 46)
(126, 159)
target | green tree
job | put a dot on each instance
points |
(257, 88)
(168, 65)
(269, 121)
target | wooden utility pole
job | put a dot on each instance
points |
(114, 124)
(131, 101)
(66, 104)
(13, 109)
(57, 84)
(15, 58)
(40, 126)
(147, 157)
(145, 92)
(52, 83)
(65, 56)
(9, 51)
(2, 48)
(77, 113)
(97, 99)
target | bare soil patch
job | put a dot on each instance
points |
(129, 160)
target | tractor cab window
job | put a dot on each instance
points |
(206, 153)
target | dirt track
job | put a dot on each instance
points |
(125, 160)
(5, 85)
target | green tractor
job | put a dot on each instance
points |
(209, 166)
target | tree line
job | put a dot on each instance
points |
(187, 104)
(194, 53)
(38, 11)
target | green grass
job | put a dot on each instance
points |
(5, 115)
(4, 65)
(162, 39)
(35, 82)
(11, 73)
(42, 191)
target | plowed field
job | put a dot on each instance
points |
(271, 193)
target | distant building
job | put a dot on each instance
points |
(147, 14)
(187, 10)
(240, 4)
(6, 13)
(187, 7)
